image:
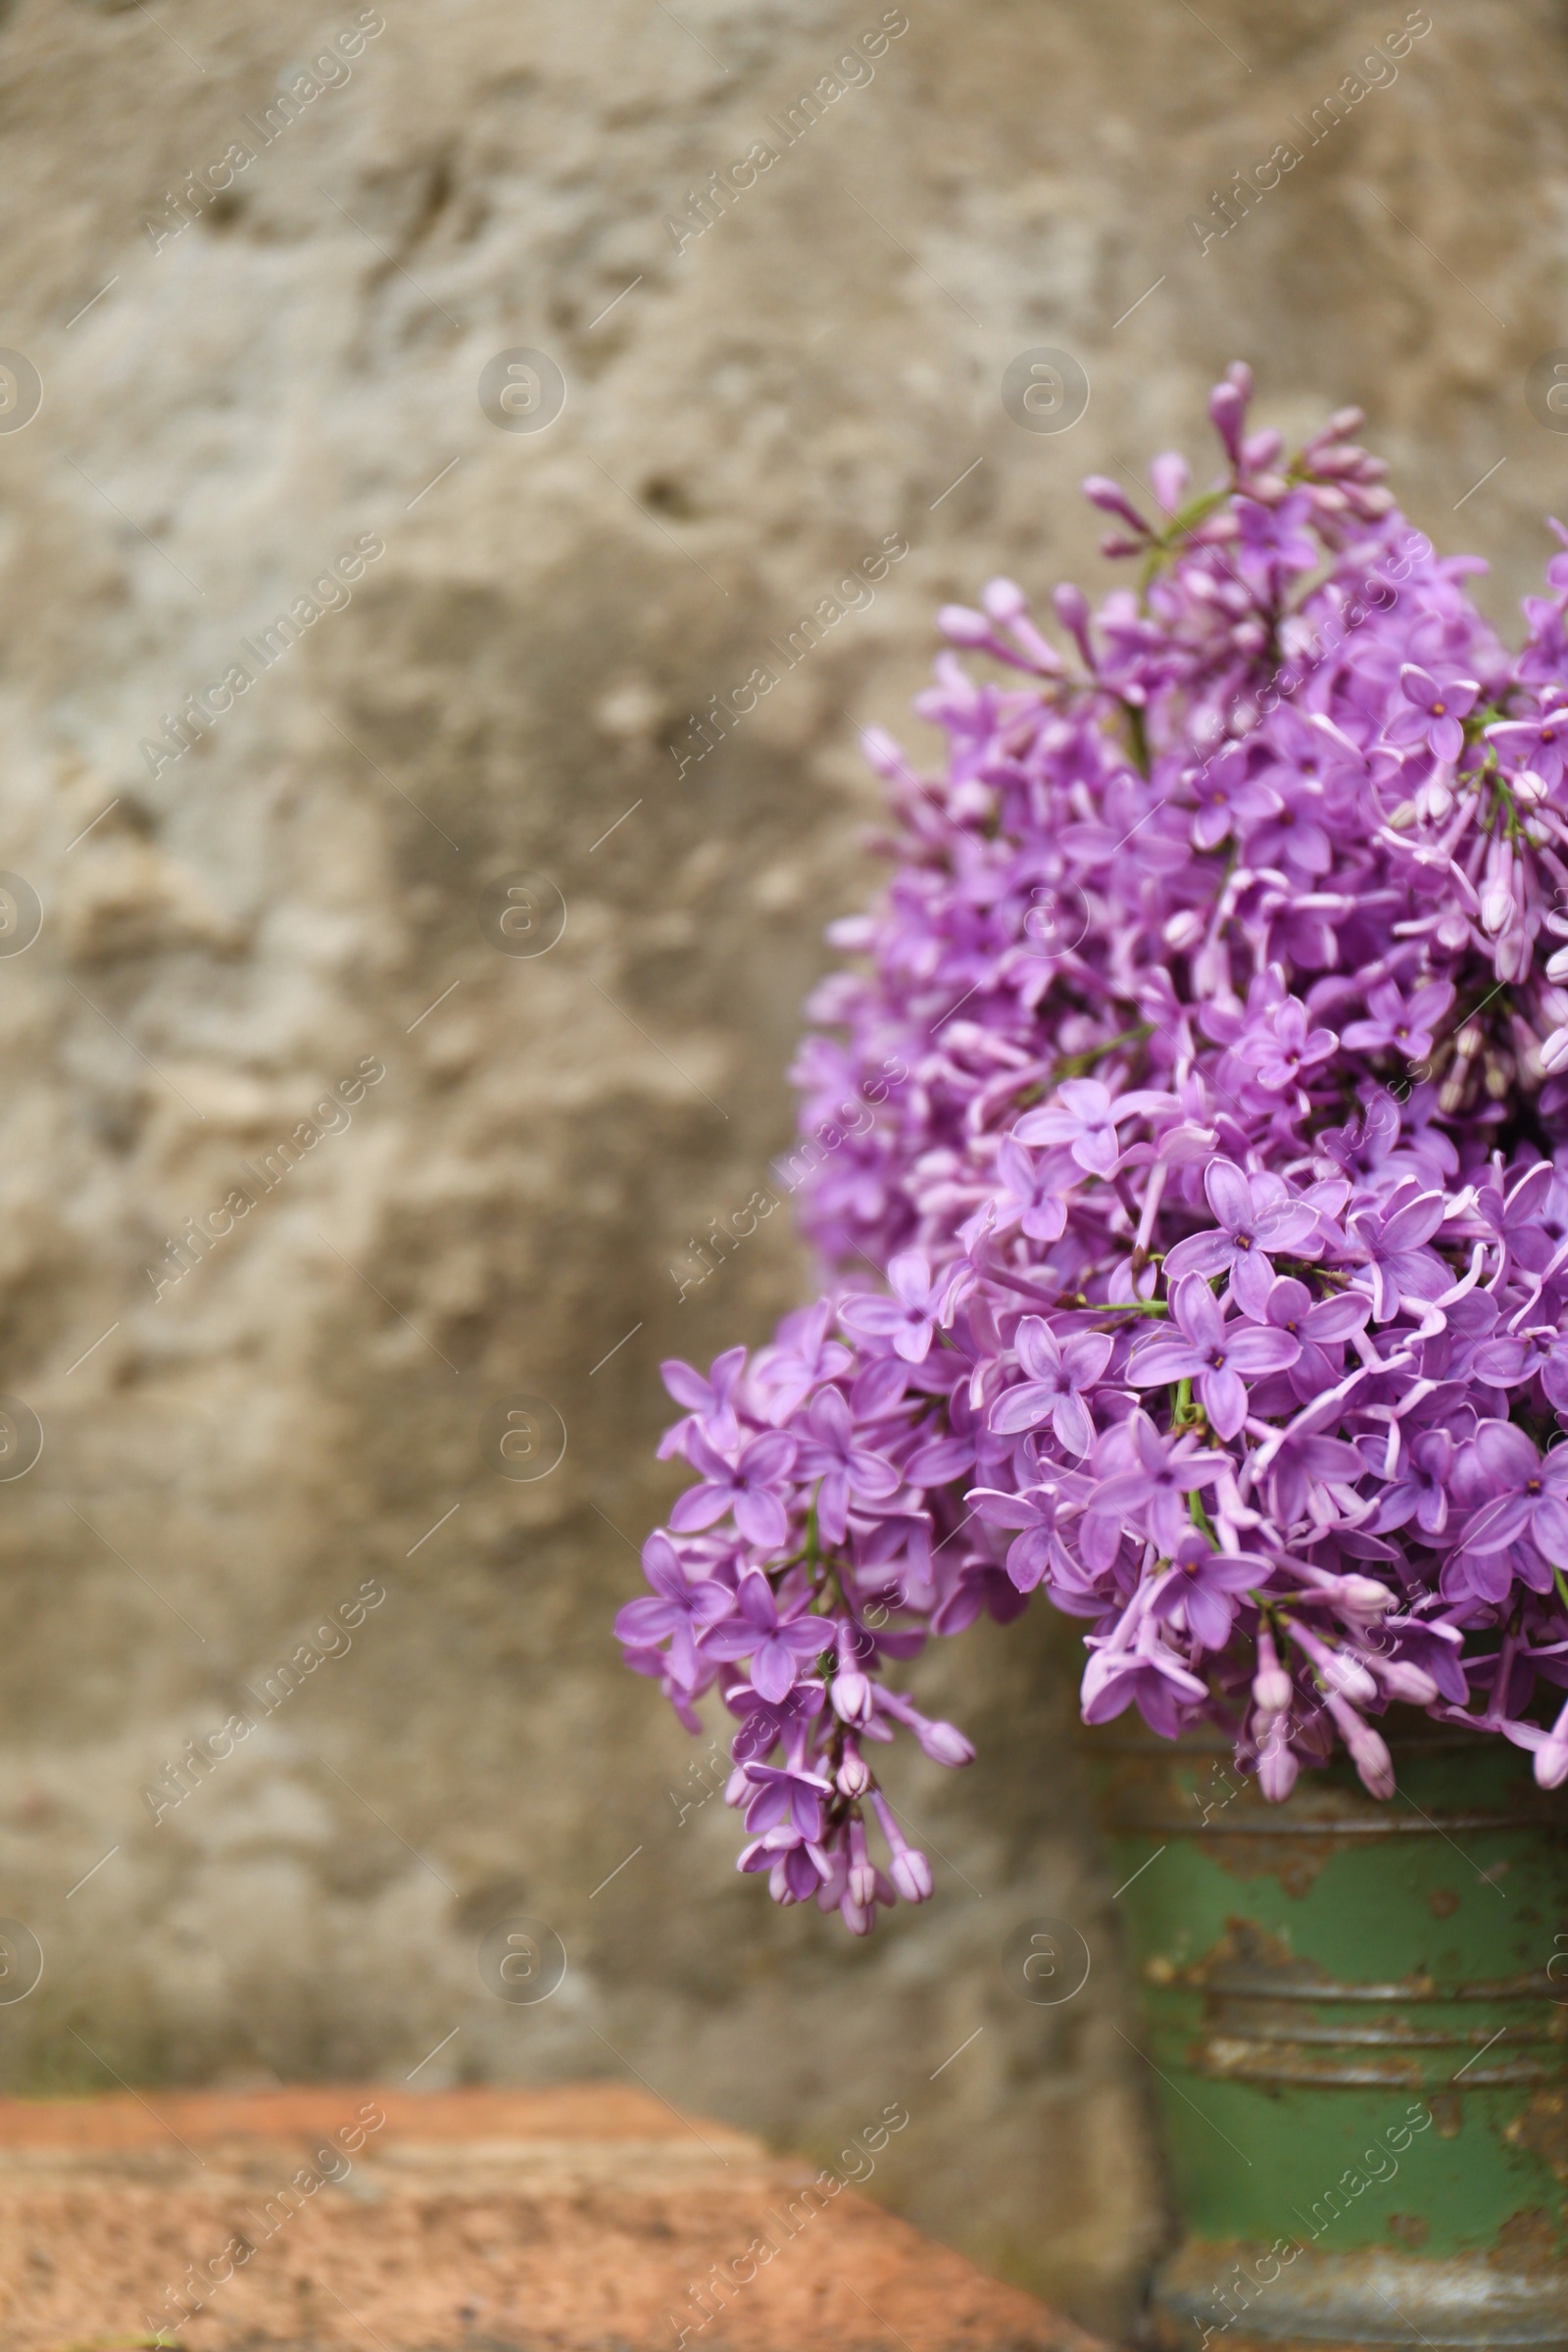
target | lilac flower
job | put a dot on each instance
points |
(1038, 1550)
(1524, 1497)
(766, 1724)
(829, 1452)
(1293, 834)
(1084, 1118)
(1034, 1149)
(1204, 1588)
(1284, 1048)
(1393, 1238)
(678, 1612)
(796, 1869)
(804, 1359)
(1274, 541)
(1518, 1218)
(908, 1318)
(978, 1586)
(1361, 1148)
(1399, 1026)
(1420, 1491)
(1256, 1215)
(712, 1414)
(1544, 659)
(753, 1487)
(1434, 714)
(1539, 742)
(1539, 1352)
(1153, 1675)
(1028, 1195)
(1230, 797)
(1058, 1374)
(1216, 1355)
(1319, 1326)
(1143, 1480)
(776, 1646)
(785, 1795)
(1301, 1465)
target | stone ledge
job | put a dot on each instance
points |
(583, 2218)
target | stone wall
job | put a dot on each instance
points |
(242, 386)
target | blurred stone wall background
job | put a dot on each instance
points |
(224, 411)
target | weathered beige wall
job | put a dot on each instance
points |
(237, 406)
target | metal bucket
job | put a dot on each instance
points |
(1359, 2014)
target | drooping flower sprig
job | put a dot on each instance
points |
(1219, 1192)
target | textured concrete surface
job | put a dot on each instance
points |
(574, 2219)
(245, 385)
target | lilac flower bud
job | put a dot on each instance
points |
(883, 753)
(943, 1742)
(1270, 487)
(1337, 1669)
(1170, 475)
(1552, 1757)
(1277, 1764)
(911, 1873)
(1369, 1750)
(1185, 928)
(1348, 1677)
(1512, 953)
(1497, 903)
(971, 802)
(1363, 1596)
(1005, 600)
(1227, 407)
(1406, 1682)
(1338, 464)
(964, 625)
(907, 1867)
(851, 1695)
(1271, 1685)
(1072, 608)
(853, 1774)
(1113, 499)
(1212, 971)
(862, 1877)
(1555, 1051)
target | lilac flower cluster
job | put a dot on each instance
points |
(1222, 1211)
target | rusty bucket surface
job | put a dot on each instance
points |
(1358, 2013)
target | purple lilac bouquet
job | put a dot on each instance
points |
(1216, 1193)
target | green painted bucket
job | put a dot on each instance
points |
(1358, 2016)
